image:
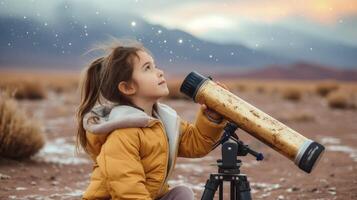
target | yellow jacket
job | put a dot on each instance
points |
(135, 153)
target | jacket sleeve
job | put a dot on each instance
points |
(197, 139)
(97, 188)
(120, 163)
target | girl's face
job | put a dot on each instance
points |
(150, 81)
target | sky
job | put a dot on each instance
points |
(224, 21)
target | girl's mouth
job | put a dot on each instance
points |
(162, 82)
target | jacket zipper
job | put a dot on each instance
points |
(173, 163)
(167, 158)
(175, 155)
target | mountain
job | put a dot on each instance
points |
(299, 71)
(61, 43)
(301, 46)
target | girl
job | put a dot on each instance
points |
(133, 139)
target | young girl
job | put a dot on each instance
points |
(133, 139)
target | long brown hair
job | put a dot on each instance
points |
(99, 81)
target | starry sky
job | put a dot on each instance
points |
(224, 21)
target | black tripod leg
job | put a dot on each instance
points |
(221, 191)
(233, 190)
(215, 145)
(211, 187)
(243, 189)
(237, 189)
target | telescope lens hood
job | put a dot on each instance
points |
(311, 156)
(192, 83)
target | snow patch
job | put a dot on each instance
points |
(59, 151)
(190, 167)
(174, 183)
(344, 149)
(330, 140)
(334, 144)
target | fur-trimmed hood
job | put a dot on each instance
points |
(104, 119)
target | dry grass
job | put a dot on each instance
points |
(30, 90)
(35, 85)
(65, 82)
(20, 137)
(25, 89)
(324, 88)
(269, 87)
(308, 88)
(240, 87)
(261, 89)
(340, 99)
(301, 117)
(292, 94)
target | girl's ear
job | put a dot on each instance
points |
(127, 88)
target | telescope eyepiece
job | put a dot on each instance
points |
(192, 83)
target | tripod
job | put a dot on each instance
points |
(229, 167)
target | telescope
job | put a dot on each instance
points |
(304, 152)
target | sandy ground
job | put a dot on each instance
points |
(56, 172)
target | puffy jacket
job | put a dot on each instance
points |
(134, 154)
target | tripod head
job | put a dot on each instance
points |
(229, 167)
(232, 147)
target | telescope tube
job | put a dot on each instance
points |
(304, 152)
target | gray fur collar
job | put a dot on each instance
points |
(107, 118)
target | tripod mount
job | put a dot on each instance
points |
(229, 167)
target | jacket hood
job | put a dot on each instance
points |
(103, 119)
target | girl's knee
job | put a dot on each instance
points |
(183, 192)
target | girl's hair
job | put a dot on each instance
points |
(99, 81)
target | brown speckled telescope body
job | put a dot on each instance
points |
(249, 118)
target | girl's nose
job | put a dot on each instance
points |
(160, 72)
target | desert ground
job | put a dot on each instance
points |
(58, 172)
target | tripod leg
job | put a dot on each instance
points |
(215, 145)
(237, 189)
(233, 190)
(243, 189)
(211, 187)
(221, 191)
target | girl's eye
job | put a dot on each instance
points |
(147, 67)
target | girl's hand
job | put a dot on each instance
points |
(211, 113)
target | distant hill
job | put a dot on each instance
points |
(61, 44)
(28, 43)
(299, 71)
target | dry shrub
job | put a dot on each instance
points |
(299, 117)
(20, 137)
(303, 117)
(339, 99)
(260, 89)
(31, 90)
(63, 84)
(292, 94)
(35, 85)
(240, 87)
(324, 88)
